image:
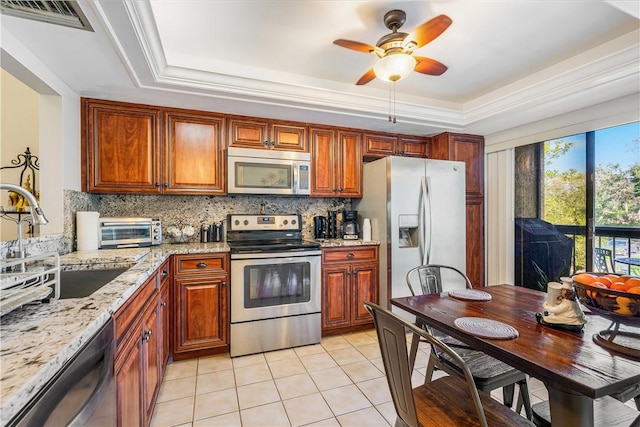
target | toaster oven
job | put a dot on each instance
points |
(129, 232)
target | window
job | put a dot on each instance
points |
(580, 191)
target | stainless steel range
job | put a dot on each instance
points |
(275, 284)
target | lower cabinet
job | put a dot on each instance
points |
(201, 305)
(138, 364)
(166, 279)
(349, 278)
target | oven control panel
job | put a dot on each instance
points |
(248, 222)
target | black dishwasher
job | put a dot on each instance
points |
(83, 392)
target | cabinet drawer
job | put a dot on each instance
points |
(127, 314)
(199, 264)
(350, 254)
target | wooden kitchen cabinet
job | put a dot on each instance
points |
(201, 305)
(470, 150)
(120, 147)
(141, 149)
(166, 280)
(138, 366)
(336, 163)
(194, 161)
(381, 145)
(247, 132)
(349, 278)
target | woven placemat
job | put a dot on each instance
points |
(486, 328)
(470, 294)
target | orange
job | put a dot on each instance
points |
(618, 287)
(635, 290)
(614, 277)
(632, 282)
(584, 278)
(593, 294)
(606, 281)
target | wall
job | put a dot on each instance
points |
(58, 125)
(19, 123)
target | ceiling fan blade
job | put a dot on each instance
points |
(429, 66)
(360, 47)
(366, 77)
(428, 31)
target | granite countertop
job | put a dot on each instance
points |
(37, 340)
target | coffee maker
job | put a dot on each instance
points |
(350, 230)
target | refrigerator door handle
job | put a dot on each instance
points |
(421, 220)
(427, 213)
(425, 208)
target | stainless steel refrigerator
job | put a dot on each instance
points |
(417, 212)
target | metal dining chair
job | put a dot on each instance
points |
(446, 401)
(488, 373)
(602, 260)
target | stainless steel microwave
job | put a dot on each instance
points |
(129, 232)
(255, 171)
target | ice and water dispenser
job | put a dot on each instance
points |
(408, 231)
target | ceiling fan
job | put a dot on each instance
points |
(395, 49)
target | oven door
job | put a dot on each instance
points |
(266, 286)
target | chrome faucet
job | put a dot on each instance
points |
(39, 215)
(36, 214)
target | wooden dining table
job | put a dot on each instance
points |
(574, 368)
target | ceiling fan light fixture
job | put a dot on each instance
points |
(394, 67)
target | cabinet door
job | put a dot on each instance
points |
(323, 159)
(201, 313)
(194, 161)
(120, 148)
(248, 133)
(129, 385)
(475, 241)
(378, 146)
(348, 170)
(151, 357)
(414, 147)
(165, 328)
(364, 288)
(336, 298)
(288, 137)
(465, 148)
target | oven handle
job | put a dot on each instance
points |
(265, 255)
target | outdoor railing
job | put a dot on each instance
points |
(621, 241)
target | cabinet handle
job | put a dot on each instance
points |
(273, 143)
(163, 303)
(266, 143)
(223, 283)
(201, 264)
(165, 273)
(165, 185)
(157, 184)
(350, 255)
(147, 335)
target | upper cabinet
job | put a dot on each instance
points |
(120, 148)
(336, 163)
(247, 132)
(193, 154)
(465, 148)
(130, 148)
(381, 145)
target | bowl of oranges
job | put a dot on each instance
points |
(611, 294)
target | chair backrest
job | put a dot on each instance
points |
(391, 330)
(602, 260)
(428, 279)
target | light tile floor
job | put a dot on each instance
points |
(339, 382)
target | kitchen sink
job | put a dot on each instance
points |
(80, 284)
